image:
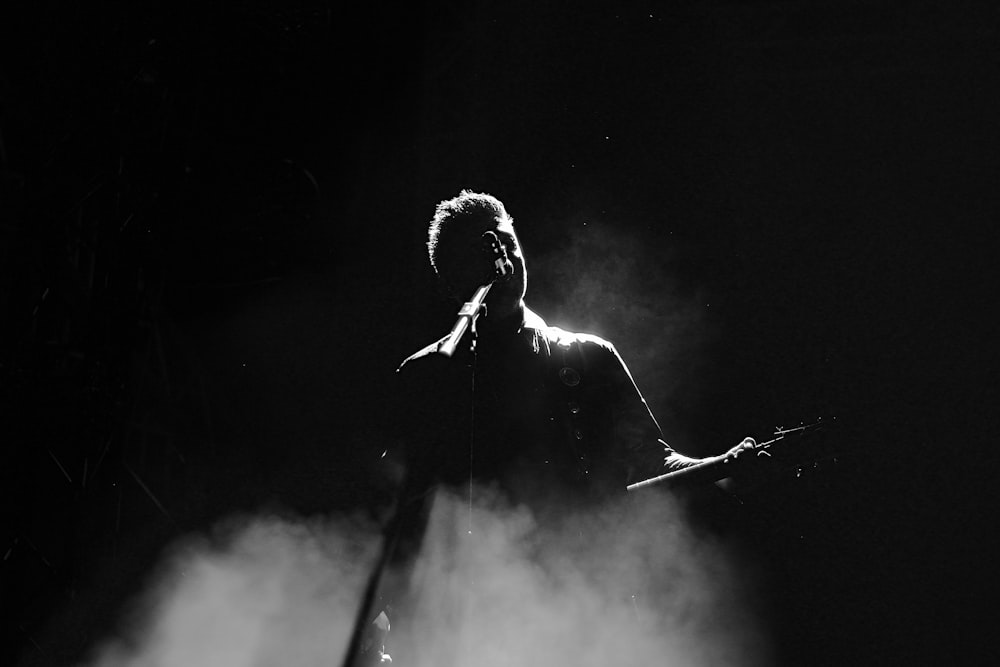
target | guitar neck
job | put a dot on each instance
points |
(721, 467)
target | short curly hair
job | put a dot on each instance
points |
(467, 208)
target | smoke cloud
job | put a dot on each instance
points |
(629, 584)
(263, 591)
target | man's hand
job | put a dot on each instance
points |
(748, 444)
(748, 476)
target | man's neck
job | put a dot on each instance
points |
(503, 322)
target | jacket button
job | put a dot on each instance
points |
(569, 376)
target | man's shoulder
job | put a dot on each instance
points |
(559, 338)
(563, 338)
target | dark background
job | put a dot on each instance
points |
(211, 240)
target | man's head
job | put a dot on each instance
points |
(455, 247)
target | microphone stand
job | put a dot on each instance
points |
(466, 315)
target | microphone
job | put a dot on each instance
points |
(497, 252)
(503, 269)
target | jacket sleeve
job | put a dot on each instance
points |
(638, 438)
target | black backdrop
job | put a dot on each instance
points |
(212, 227)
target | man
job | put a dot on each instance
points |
(550, 418)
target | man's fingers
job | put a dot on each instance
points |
(747, 443)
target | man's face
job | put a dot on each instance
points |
(464, 264)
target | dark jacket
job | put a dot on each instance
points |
(541, 413)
